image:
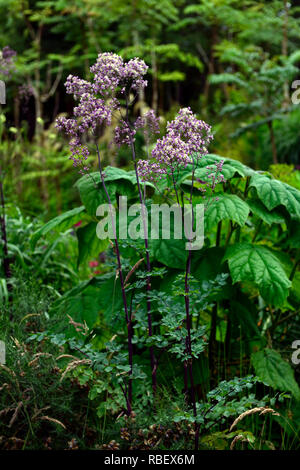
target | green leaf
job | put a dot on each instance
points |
(60, 223)
(294, 234)
(207, 264)
(269, 217)
(274, 193)
(118, 182)
(167, 249)
(245, 314)
(228, 206)
(99, 297)
(171, 253)
(82, 304)
(231, 168)
(272, 369)
(295, 289)
(257, 264)
(89, 245)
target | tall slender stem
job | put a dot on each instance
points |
(188, 318)
(127, 316)
(153, 360)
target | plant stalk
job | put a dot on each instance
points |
(127, 316)
(153, 361)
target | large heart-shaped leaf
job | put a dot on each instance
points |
(231, 168)
(118, 183)
(272, 369)
(92, 193)
(227, 206)
(60, 223)
(257, 264)
(274, 193)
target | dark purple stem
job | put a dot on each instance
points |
(188, 319)
(153, 360)
(127, 317)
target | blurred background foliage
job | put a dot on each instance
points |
(234, 62)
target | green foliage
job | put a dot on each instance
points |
(88, 245)
(60, 223)
(61, 311)
(229, 207)
(257, 264)
(274, 193)
(275, 371)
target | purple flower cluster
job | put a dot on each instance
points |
(91, 113)
(111, 72)
(150, 171)
(214, 174)
(123, 134)
(196, 133)
(96, 104)
(171, 151)
(149, 122)
(186, 135)
(79, 152)
(77, 86)
(7, 56)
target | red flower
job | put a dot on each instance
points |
(93, 264)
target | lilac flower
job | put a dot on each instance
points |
(96, 102)
(214, 174)
(196, 133)
(7, 56)
(123, 134)
(171, 151)
(79, 152)
(69, 126)
(92, 112)
(133, 73)
(149, 122)
(150, 171)
(108, 71)
(111, 72)
(186, 135)
(77, 86)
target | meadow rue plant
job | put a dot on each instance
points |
(185, 143)
(186, 135)
(97, 102)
